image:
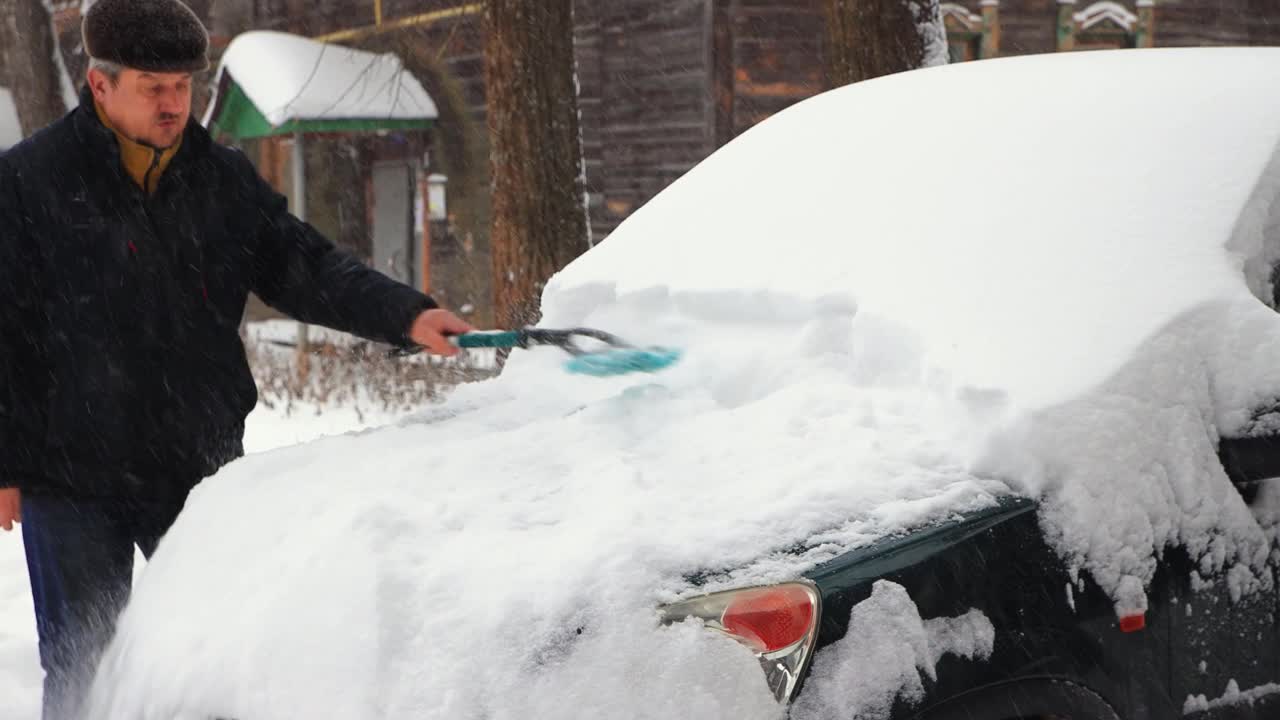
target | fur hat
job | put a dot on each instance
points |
(148, 35)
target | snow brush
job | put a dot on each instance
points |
(615, 357)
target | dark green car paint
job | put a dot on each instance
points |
(889, 555)
(1059, 649)
(994, 560)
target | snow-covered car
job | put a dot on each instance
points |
(961, 347)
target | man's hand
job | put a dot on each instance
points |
(10, 507)
(432, 328)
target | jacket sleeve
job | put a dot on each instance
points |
(20, 364)
(301, 273)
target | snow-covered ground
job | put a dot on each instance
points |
(20, 674)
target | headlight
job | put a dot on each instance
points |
(778, 622)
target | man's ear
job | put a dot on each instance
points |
(98, 83)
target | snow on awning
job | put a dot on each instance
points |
(272, 83)
(1104, 11)
(10, 128)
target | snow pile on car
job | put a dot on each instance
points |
(1083, 266)
(887, 626)
(890, 314)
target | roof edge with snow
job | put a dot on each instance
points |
(272, 83)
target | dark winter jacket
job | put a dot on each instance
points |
(121, 366)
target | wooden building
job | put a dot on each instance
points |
(666, 82)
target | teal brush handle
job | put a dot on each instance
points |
(501, 339)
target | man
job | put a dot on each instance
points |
(129, 242)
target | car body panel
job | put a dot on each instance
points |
(1051, 627)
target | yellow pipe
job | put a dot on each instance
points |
(377, 13)
(426, 18)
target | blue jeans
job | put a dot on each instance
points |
(80, 558)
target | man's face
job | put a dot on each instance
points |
(150, 108)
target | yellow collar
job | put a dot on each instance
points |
(144, 163)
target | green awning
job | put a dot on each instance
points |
(241, 119)
(312, 87)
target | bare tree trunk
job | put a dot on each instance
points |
(539, 218)
(26, 33)
(228, 18)
(870, 38)
(224, 20)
